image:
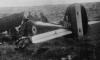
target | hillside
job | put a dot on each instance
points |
(53, 12)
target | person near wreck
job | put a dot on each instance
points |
(43, 17)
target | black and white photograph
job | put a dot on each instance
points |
(49, 29)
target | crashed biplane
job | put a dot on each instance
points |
(75, 15)
(75, 23)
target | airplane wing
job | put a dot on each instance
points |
(50, 35)
(93, 22)
(43, 37)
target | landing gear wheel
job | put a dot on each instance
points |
(76, 15)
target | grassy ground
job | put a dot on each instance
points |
(54, 49)
(50, 50)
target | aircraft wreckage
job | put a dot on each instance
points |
(75, 23)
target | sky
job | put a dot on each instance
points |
(13, 3)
